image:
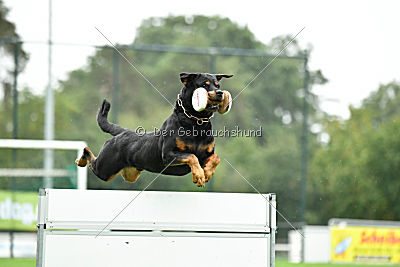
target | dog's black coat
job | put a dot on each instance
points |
(151, 151)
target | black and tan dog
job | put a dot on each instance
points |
(129, 152)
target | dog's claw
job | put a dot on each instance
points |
(201, 182)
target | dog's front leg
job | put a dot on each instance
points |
(189, 159)
(209, 166)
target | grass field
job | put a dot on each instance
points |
(279, 263)
(285, 263)
(17, 262)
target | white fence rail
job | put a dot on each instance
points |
(45, 144)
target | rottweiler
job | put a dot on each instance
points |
(183, 141)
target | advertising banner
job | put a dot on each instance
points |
(365, 244)
(18, 210)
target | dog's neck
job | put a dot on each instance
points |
(189, 113)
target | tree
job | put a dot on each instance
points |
(272, 101)
(357, 174)
(8, 46)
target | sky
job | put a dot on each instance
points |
(355, 43)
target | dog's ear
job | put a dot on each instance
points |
(187, 77)
(220, 76)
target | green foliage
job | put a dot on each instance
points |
(28, 105)
(357, 174)
(272, 101)
(8, 32)
(8, 36)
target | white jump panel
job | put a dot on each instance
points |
(71, 209)
(156, 229)
(141, 251)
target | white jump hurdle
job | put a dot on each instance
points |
(157, 229)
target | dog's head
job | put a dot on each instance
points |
(210, 82)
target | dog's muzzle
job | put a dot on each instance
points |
(215, 99)
(215, 96)
(219, 95)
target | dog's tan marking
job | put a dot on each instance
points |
(224, 105)
(216, 83)
(212, 94)
(92, 157)
(197, 171)
(83, 161)
(209, 167)
(182, 145)
(209, 147)
(212, 98)
(184, 82)
(208, 82)
(112, 177)
(130, 174)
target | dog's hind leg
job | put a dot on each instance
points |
(104, 167)
(130, 174)
(87, 156)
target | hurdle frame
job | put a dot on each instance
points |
(257, 233)
(78, 146)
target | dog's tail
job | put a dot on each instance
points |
(103, 122)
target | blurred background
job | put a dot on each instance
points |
(328, 104)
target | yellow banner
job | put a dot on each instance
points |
(365, 244)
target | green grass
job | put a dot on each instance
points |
(17, 262)
(285, 263)
(279, 263)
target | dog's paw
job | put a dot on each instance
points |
(82, 162)
(208, 173)
(199, 179)
(201, 182)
